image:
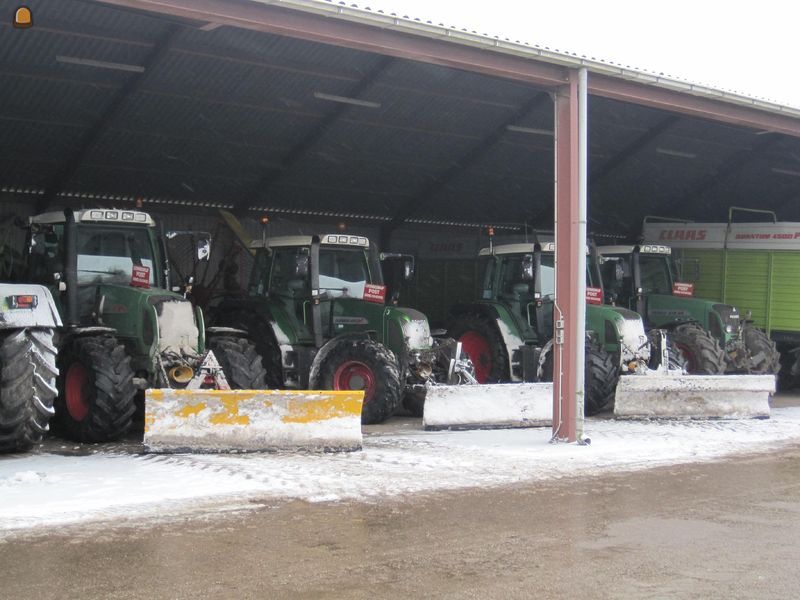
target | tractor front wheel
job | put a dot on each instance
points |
(27, 387)
(240, 362)
(763, 356)
(702, 351)
(96, 395)
(363, 364)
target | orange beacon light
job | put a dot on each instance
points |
(23, 19)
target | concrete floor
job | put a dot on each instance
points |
(718, 530)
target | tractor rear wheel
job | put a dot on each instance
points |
(764, 357)
(482, 342)
(600, 379)
(27, 387)
(239, 361)
(702, 351)
(363, 364)
(600, 376)
(97, 396)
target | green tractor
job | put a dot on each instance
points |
(124, 330)
(508, 332)
(317, 307)
(709, 334)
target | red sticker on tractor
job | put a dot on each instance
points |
(594, 295)
(375, 293)
(140, 276)
(685, 290)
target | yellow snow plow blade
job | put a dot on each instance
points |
(252, 420)
(693, 396)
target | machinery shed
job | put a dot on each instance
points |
(321, 114)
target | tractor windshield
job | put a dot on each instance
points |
(656, 276)
(343, 272)
(107, 254)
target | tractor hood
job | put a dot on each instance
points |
(623, 327)
(416, 331)
(150, 319)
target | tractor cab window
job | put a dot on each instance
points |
(289, 275)
(655, 274)
(107, 254)
(46, 255)
(617, 277)
(343, 272)
(548, 276)
(512, 283)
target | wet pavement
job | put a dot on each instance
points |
(717, 530)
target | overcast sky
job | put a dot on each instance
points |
(747, 47)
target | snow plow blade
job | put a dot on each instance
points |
(693, 396)
(493, 406)
(252, 420)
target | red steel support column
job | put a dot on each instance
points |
(570, 261)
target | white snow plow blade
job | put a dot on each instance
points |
(252, 420)
(494, 406)
(693, 396)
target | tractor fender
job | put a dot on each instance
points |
(43, 314)
(501, 318)
(326, 349)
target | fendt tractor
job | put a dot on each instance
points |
(28, 318)
(124, 330)
(317, 307)
(508, 332)
(752, 264)
(710, 334)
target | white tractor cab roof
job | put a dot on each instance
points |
(97, 215)
(328, 239)
(628, 248)
(523, 248)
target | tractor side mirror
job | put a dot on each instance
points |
(527, 268)
(619, 271)
(203, 249)
(688, 269)
(301, 265)
(408, 269)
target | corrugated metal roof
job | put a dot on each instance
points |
(232, 116)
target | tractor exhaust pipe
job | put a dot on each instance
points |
(71, 267)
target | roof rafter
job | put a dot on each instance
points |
(112, 109)
(304, 145)
(477, 152)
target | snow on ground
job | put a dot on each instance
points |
(398, 459)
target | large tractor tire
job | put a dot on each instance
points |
(239, 361)
(677, 361)
(482, 342)
(363, 364)
(96, 398)
(702, 351)
(763, 356)
(267, 348)
(27, 387)
(600, 379)
(789, 375)
(600, 376)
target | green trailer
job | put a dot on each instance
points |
(751, 265)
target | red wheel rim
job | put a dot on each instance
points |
(691, 363)
(76, 392)
(354, 375)
(480, 353)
